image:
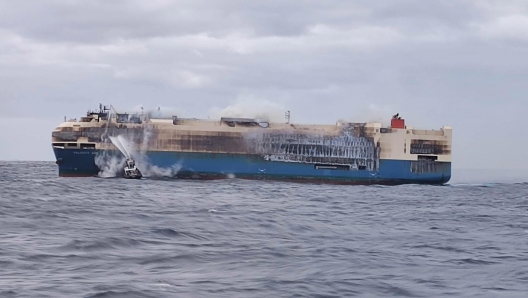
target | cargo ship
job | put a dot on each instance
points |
(247, 148)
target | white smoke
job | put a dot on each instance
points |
(371, 113)
(154, 112)
(250, 107)
(164, 112)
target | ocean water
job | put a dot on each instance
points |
(104, 237)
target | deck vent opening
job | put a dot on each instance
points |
(87, 146)
(362, 168)
(71, 144)
(232, 122)
(135, 119)
(427, 157)
(331, 167)
(122, 118)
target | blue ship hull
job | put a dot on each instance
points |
(81, 163)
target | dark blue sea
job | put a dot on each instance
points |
(110, 237)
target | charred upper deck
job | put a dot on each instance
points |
(359, 145)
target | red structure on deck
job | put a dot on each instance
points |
(397, 123)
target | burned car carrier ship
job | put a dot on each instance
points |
(347, 153)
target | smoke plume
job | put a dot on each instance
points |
(251, 108)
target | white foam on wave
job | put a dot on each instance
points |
(155, 171)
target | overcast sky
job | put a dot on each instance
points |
(458, 63)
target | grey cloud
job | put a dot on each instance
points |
(459, 63)
(102, 21)
(428, 13)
